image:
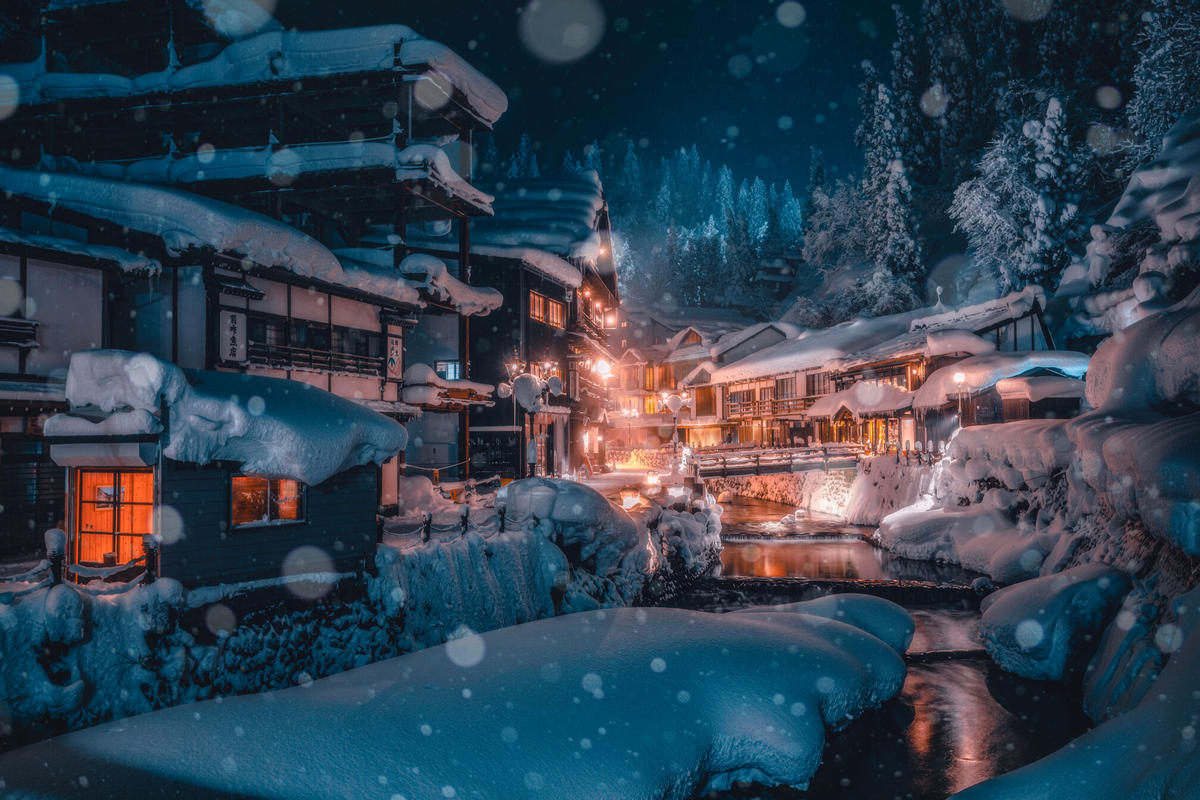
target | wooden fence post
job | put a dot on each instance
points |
(150, 551)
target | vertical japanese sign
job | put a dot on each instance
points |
(233, 336)
(395, 357)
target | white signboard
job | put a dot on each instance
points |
(233, 336)
(395, 357)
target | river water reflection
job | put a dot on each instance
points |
(955, 723)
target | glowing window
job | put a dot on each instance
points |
(264, 501)
(114, 510)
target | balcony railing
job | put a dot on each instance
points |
(278, 355)
(767, 408)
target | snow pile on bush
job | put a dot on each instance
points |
(692, 540)
(1149, 752)
(589, 530)
(748, 697)
(1040, 627)
(269, 426)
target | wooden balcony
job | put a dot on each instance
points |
(285, 357)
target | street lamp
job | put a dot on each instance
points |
(675, 402)
(959, 379)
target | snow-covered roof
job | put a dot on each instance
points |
(553, 267)
(184, 221)
(815, 348)
(559, 215)
(733, 339)
(284, 55)
(948, 330)
(862, 399)
(270, 426)
(417, 162)
(372, 270)
(123, 259)
(983, 371)
(867, 340)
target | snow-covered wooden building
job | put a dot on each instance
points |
(210, 198)
(548, 250)
(806, 387)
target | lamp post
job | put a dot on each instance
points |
(674, 402)
(959, 379)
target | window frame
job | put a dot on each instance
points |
(118, 502)
(302, 518)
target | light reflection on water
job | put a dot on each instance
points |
(954, 724)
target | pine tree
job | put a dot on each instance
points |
(900, 267)
(492, 163)
(1167, 76)
(992, 210)
(815, 193)
(524, 161)
(907, 119)
(570, 166)
(757, 210)
(664, 198)
(1053, 221)
(632, 194)
(724, 197)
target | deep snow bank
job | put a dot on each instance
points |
(1037, 628)
(732, 696)
(72, 657)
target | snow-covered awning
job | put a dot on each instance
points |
(982, 372)
(123, 259)
(284, 55)
(863, 399)
(270, 426)
(559, 215)
(1036, 388)
(423, 387)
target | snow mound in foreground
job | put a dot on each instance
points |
(1037, 628)
(627, 703)
(881, 618)
(1148, 753)
(270, 426)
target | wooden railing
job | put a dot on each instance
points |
(278, 355)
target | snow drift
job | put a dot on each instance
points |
(734, 697)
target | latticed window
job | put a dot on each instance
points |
(114, 510)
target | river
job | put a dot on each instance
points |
(958, 719)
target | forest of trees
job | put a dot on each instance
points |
(1001, 130)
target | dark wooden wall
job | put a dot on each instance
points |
(340, 520)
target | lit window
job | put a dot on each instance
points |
(115, 509)
(450, 370)
(262, 501)
(543, 309)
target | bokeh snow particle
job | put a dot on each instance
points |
(785, 123)
(1029, 634)
(220, 620)
(508, 735)
(732, 131)
(790, 14)
(561, 31)
(740, 65)
(10, 96)
(205, 153)
(1168, 638)
(432, 91)
(170, 525)
(1027, 10)
(235, 19)
(934, 101)
(256, 406)
(465, 647)
(304, 561)
(658, 665)
(11, 296)
(1109, 97)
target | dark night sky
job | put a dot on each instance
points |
(662, 73)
